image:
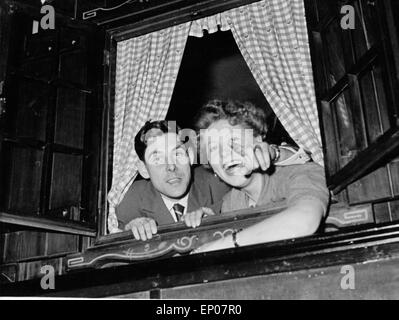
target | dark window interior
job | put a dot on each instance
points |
(213, 68)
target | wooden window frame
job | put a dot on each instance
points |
(358, 244)
(119, 29)
(158, 17)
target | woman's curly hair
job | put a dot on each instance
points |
(235, 112)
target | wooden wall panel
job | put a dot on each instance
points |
(24, 245)
(372, 187)
(32, 106)
(39, 45)
(31, 270)
(73, 67)
(335, 52)
(382, 212)
(8, 273)
(394, 170)
(23, 180)
(394, 206)
(58, 243)
(4, 38)
(66, 181)
(372, 280)
(386, 211)
(70, 117)
(29, 245)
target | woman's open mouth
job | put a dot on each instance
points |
(234, 167)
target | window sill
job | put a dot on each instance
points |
(177, 239)
(70, 227)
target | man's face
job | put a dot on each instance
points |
(168, 165)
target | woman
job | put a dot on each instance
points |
(228, 133)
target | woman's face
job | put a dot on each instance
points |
(230, 152)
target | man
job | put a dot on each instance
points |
(172, 191)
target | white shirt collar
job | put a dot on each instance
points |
(171, 202)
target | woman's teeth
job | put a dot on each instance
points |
(231, 165)
(234, 167)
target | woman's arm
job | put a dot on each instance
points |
(301, 219)
(284, 155)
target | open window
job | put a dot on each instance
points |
(356, 93)
(148, 66)
(55, 176)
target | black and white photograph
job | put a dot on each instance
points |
(191, 155)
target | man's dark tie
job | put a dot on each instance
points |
(178, 209)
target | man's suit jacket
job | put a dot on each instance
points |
(143, 200)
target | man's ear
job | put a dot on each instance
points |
(143, 170)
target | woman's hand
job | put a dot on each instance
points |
(263, 155)
(193, 219)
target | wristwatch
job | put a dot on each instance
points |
(234, 237)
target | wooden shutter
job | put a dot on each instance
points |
(50, 125)
(357, 93)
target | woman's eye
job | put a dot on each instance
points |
(236, 146)
(156, 160)
(213, 148)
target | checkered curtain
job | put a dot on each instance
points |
(147, 68)
(272, 37)
(211, 24)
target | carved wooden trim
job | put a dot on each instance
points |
(122, 249)
(160, 246)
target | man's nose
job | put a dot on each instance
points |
(171, 167)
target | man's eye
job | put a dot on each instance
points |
(180, 153)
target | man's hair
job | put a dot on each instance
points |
(235, 112)
(149, 130)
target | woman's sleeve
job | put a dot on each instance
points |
(305, 182)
